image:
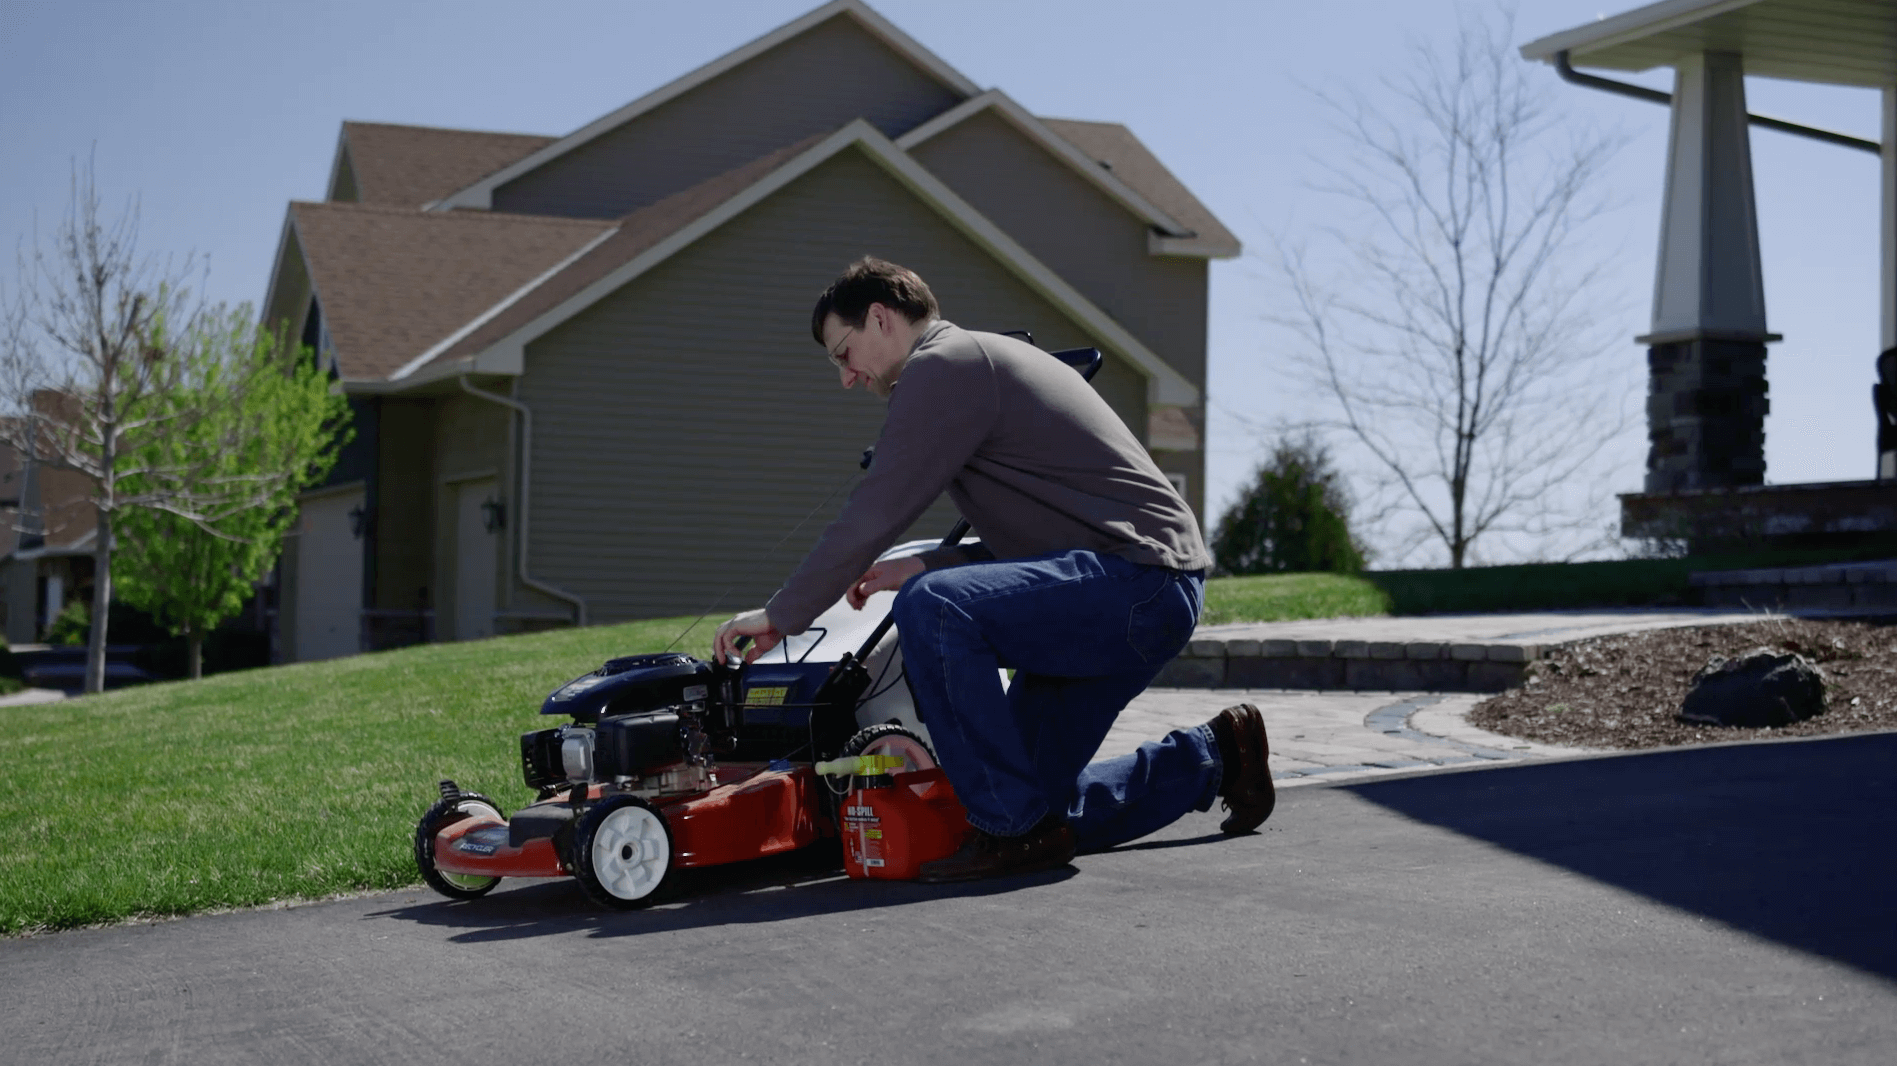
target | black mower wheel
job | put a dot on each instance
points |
(445, 812)
(622, 853)
(891, 740)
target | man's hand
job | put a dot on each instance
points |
(754, 624)
(884, 575)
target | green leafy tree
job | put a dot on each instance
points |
(191, 572)
(99, 345)
(1293, 517)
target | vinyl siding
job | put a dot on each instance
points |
(817, 82)
(1085, 236)
(686, 423)
(470, 436)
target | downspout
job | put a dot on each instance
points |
(526, 468)
(1641, 92)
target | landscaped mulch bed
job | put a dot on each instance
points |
(1623, 691)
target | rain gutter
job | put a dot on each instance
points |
(1641, 92)
(526, 467)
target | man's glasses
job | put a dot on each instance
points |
(838, 359)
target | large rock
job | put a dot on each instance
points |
(1763, 687)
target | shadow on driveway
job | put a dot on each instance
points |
(1795, 841)
(796, 885)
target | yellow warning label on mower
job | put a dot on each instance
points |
(766, 695)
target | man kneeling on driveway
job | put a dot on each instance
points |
(1089, 578)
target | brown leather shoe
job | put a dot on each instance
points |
(1245, 783)
(1049, 844)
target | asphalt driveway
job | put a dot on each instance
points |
(1728, 904)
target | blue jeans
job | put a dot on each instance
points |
(1084, 633)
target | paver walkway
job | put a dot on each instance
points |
(1335, 736)
(1341, 736)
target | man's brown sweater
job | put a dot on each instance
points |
(1029, 453)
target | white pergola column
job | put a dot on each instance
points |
(1706, 400)
(1709, 277)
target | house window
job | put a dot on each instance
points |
(1178, 482)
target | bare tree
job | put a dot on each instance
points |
(1463, 354)
(94, 360)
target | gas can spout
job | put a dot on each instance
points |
(863, 765)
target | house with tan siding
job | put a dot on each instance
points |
(580, 367)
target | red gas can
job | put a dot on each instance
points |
(893, 823)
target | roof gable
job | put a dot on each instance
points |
(408, 166)
(631, 236)
(996, 102)
(1115, 147)
(858, 16)
(392, 282)
(500, 347)
(1112, 159)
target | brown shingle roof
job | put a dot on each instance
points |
(637, 232)
(408, 166)
(393, 282)
(1131, 161)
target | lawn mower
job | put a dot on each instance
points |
(670, 762)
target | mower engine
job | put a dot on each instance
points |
(647, 724)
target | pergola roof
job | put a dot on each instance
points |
(1837, 42)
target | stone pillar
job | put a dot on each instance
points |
(1887, 294)
(1706, 401)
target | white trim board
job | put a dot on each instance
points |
(1080, 162)
(480, 195)
(505, 302)
(336, 165)
(333, 362)
(276, 262)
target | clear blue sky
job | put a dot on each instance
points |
(215, 113)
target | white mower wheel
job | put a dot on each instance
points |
(622, 852)
(444, 812)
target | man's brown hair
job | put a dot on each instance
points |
(870, 280)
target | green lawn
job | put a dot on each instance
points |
(1277, 597)
(297, 781)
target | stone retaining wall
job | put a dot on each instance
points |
(1349, 664)
(1836, 587)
